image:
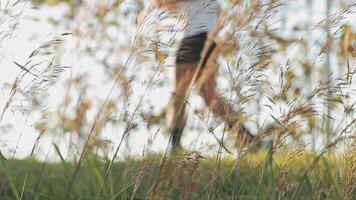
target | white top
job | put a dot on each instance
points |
(200, 16)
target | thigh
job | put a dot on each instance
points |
(208, 69)
(187, 60)
(184, 75)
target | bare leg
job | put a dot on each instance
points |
(219, 106)
(216, 103)
(188, 57)
(176, 116)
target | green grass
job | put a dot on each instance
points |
(288, 175)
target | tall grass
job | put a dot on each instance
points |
(282, 99)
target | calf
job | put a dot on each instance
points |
(192, 69)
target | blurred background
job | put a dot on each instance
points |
(85, 84)
(101, 72)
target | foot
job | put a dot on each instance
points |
(176, 135)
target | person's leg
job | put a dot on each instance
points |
(219, 106)
(215, 102)
(175, 115)
(188, 57)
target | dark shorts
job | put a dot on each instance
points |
(191, 48)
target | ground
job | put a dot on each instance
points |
(285, 175)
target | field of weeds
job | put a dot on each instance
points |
(86, 85)
(287, 175)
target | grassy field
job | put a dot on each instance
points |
(285, 175)
(94, 75)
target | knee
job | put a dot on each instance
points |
(178, 98)
(174, 107)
